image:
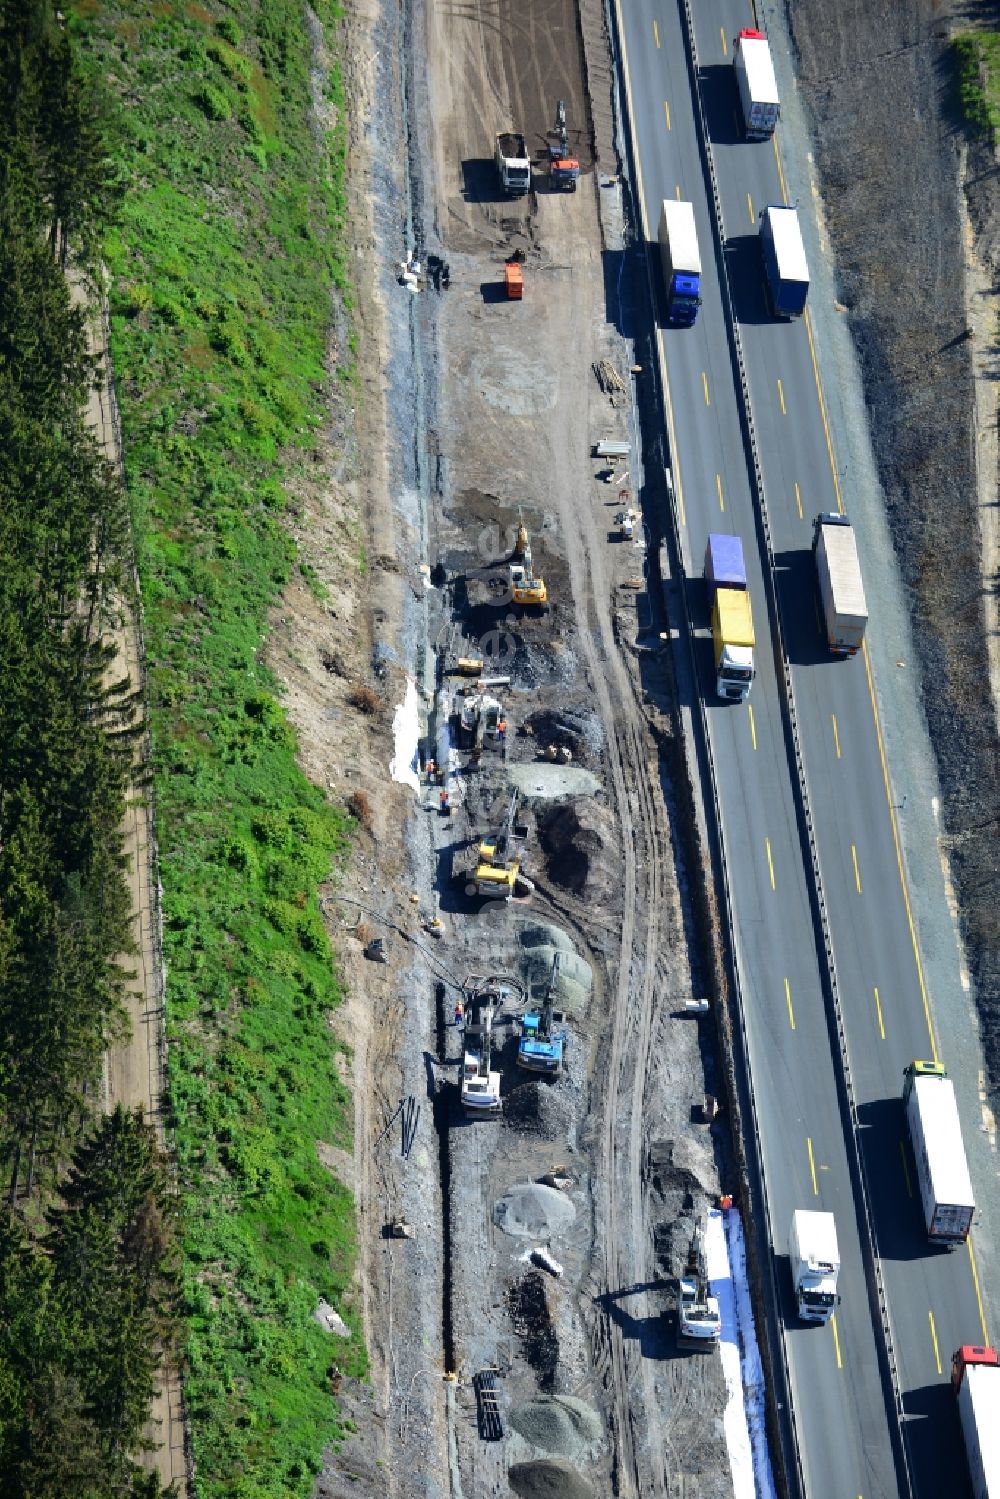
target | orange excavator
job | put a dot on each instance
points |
(564, 170)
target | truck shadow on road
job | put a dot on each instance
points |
(721, 104)
(892, 1182)
(798, 601)
(745, 272)
(933, 1435)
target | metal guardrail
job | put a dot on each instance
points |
(873, 1268)
(780, 1406)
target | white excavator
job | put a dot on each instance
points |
(699, 1321)
(480, 1080)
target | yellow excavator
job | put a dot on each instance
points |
(525, 587)
(498, 867)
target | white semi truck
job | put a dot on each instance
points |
(814, 1257)
(757, 86)
(975, 1378)
(939, 1153)
(841, 590)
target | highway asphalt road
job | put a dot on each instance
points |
(840, 1405)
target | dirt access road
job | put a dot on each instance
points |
(134, 1068)
(505, 407)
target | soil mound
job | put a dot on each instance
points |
(549, 1478)
(532, 1211)
(532, 1323)
(578, 842)
(539, 1109)
(558, 1423)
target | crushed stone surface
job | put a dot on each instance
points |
(558, 1423)
(549, 1478)
(532, 1211)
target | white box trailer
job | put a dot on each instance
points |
(975, 1378)
(939, 1153)
(841, 590)
(757, 85)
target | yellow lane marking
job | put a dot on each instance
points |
(770, 862)
(812, 1164)
(906, 1169)
(899, 856)
(798, 501)
(725, 47)
(836, 1340)
(656, 34)
(677, 193)
(934, 1340)
(750, 207)
(881, 1022)
(678, 491)
(704, 387)
(979, 1294)
(781, 398)
(781, 175)
(753, 726)
(666, 111)
(788, 1002)
(857, 871)
(718, 485)
(836, 734)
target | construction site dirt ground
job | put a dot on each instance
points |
(473, 413)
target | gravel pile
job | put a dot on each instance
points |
(558, 1423)
(550, 1478)
(531, 1211)
(539, 1109)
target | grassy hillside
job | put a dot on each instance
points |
(222, 267)
(978, 56)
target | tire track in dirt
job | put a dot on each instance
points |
(632, 1015)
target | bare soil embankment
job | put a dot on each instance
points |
(879, 83)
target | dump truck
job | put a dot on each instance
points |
(786, 274)
(841, 591)
(732, 620)
(681, 262)
(814, 1258)
(755, 81)
(939, 1153)
(975, 1378)
(513, 163)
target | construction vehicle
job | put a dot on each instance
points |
(499, 867)
(975, 1378)
(841, 589)
(479, 719)
(480, 1080)
(513, 163)
(625, 521)
(939, 1153)
(525, 587)
(814, 1257)
(564, 170)
(543, 1041)
(513, 280)
(699, 1321)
